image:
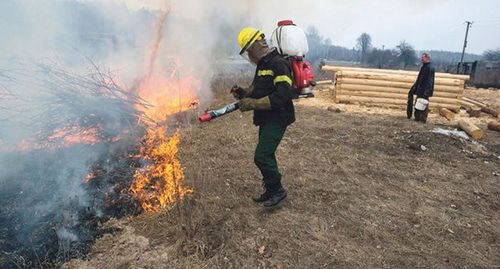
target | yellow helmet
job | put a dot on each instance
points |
(247, 37)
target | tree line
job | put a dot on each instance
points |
(404, 55)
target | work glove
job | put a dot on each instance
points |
(239, 92)
(263, 103)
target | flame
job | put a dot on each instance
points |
(59, 138)
(89, 177)
(159, 183)
(75, 135)
(168, 96)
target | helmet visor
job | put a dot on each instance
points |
(250, 42)
(246, 56)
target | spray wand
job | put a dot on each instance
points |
(212, 114)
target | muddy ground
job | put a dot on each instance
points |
(367, 189)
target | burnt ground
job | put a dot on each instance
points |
(363, 193)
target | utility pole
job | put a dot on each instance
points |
(469, 23)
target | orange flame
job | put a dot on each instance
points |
(90, 176)
(168, 96)
(75, 135)
(159, 183)
(60, 138)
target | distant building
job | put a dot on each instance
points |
(484, 74)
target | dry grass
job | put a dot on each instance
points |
(362, 194)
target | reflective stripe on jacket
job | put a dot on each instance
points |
(273, 78)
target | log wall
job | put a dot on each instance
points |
(390, 87)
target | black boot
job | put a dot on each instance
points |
(409, 113)
(275, 198)
(409, 105)
(263, 197)
(424, 115)
(418, 115)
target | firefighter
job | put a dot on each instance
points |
(270, 97)
(423, 88)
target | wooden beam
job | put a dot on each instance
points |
(358, 87)
(494, 125)
(469, 102)
(324, 82)
(387, 101)
(395, 84)
(474, 111)
(476, 102)
(471, 129)
(330, 68)
(448, 114)
(490, 111)
(401, 96)
(396, 78)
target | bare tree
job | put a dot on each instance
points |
(492, 55)
(406, 54)
(382, 58)
(364, 45)
(316, 43)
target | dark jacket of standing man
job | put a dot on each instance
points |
(270, 97)
(423, 88)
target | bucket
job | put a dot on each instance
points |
(421, 104)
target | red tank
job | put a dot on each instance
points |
(302, 73)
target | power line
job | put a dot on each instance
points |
(469, 23)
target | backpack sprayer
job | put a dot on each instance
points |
(291, 42)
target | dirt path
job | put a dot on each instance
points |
(367, 189)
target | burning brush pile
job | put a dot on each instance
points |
(77, 150)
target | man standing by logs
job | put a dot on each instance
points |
(423, 88)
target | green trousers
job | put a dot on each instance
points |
(270, 136)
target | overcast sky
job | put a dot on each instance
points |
(425, 24)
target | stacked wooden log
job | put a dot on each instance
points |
(390, 88)
(474, 105)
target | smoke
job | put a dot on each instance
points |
(54, 62)
(59, 62)
(72, 65)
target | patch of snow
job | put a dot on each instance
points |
(454, 132)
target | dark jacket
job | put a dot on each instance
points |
(424, 85)
(273, 78)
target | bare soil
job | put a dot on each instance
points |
(367, 189)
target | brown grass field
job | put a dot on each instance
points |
(363, 193)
